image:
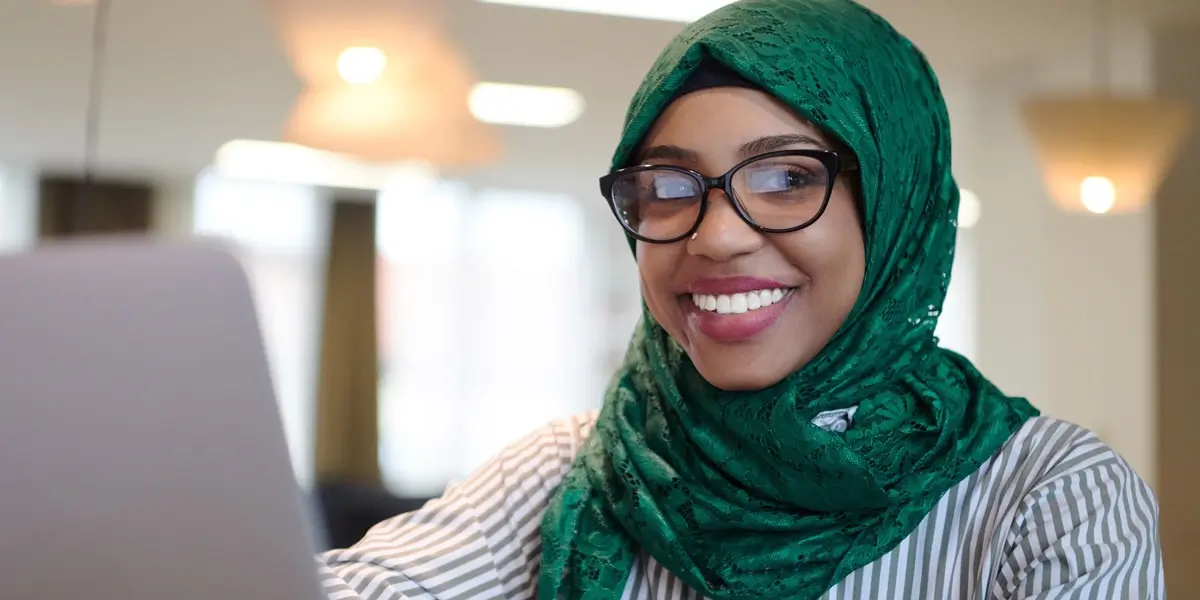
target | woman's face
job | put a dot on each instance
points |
(819, 268)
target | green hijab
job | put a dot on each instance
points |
(738, 493)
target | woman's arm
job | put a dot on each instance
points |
(480, 540)
(1088, 531)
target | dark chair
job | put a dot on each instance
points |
(350, 510)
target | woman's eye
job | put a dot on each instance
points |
(669, 187)
(777, 180)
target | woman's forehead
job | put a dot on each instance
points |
(729, 120)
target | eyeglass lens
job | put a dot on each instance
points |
(778, 192)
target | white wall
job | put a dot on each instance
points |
(1177, 286)
(1065, 301)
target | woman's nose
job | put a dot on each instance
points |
(722, 233)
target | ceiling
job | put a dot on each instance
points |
(185, 76)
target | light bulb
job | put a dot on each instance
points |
(1097, 194)
(361, 65)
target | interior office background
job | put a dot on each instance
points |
(504, 295)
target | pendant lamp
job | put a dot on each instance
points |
(1105, 152)
(382, 83)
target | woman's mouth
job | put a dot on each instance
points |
(737, 317)
(736, 304)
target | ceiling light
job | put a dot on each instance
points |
(385, 85)
(361, 66)
(684, 11)
(525, 105)
(1097, 194)
(1105, 154)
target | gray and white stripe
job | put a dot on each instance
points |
(1054, 514)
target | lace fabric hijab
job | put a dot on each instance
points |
(738, 493)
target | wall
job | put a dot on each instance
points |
(1094, 318)
(1177, 282)
(1065, 301)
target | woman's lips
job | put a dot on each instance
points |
(736, 317)
(733, 285)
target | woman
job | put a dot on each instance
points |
(784, 425)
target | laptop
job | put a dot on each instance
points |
(142, 455)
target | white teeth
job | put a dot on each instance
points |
(736, 304)
(724, 304)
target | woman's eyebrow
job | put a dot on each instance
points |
(776, 142)
(667, 152)
(751, 148)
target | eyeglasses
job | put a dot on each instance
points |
(776, 192)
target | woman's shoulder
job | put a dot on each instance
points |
(1049, 447)
(480, 539)
(541, 458)
(551, 446)
(1044, 432)
(1046, 452)
(1069, 513)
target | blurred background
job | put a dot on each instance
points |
(412, 188)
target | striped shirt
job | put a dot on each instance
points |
(1054, 514)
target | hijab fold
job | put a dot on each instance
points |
(738, 493)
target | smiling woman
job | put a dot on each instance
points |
(784, 424)
(747, 308)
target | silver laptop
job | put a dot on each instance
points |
(141, 450)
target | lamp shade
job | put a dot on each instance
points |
(1105, 154)
(404, 97)
(394, 120)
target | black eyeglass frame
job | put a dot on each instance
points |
(833, 162)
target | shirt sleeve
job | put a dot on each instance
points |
(480, 540)
(1088, 530)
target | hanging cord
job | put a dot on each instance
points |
(91, 137)
(1102, 46)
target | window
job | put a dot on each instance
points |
(486, 334)
(421, 295)
(280, 231)
(531, 352)
(485, 304)
(18, 209)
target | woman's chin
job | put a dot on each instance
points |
(757, 362)
(732, 375)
